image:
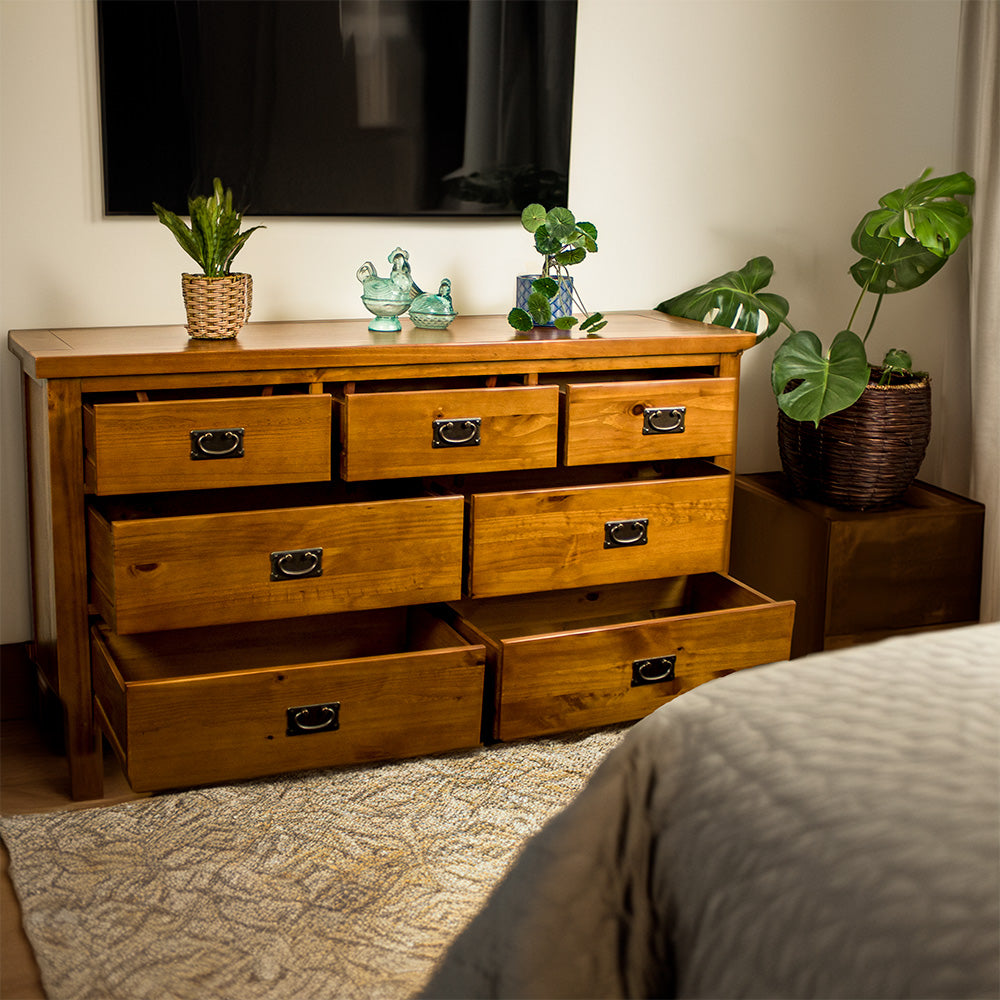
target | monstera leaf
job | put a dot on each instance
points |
(907, 240)
(888, 265)
(928, 211)
(825, 384)
(734, 300)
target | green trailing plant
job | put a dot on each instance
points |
(902, 244)
(562, 242)
(213, 239)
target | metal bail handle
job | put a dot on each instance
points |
(663, 419)
(623, 534)
(304, 720)
(654, 670)
(221, 442)
(460, 432)
(296, 564)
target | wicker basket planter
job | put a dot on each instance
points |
(864, 457)
(217, 308)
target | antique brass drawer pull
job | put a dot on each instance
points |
(296, 564)
(458, 433)
(223, 442)
(655, 670)
(620, 534)
(663, 420)
(305, 719)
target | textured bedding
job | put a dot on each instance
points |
(825, 827)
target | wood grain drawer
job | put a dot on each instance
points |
(194, 444)
(154, 573)
(551, 539)
(567, 660)
(650, 421)
(426, 433)
(204, 705)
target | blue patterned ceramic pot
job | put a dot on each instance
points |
(561, 302)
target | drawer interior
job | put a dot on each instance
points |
(209, 392)
(285, 644)
(148, 505)
(212, 704)
(573, 477)
(627, 374)
(505, 618)
(589, 657)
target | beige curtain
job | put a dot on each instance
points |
(979, 154)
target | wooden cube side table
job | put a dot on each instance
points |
(856, 577)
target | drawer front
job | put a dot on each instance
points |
(181, 572)
(553, 539)
(600, 673)
(650, 421)
(189, 730)
(400, 434)
(199, 444)
(899, 571)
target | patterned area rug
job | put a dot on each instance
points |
(346, 883)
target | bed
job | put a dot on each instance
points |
(823, 827)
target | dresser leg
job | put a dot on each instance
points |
(86, 763)
(55, 450)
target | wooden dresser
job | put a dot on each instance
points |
(317, 545)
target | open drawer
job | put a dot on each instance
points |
(590, 657)
(583, 533)
(650, 421)
(447, 431)
(203, 705)
(193, 444)
(217, 566)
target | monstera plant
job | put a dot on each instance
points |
(901, 245)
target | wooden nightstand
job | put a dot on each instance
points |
(856, 577)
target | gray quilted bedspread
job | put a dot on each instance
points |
(825, 827)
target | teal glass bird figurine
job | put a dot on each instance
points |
(433, 312)
(388, 298)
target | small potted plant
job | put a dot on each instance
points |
(547, 299)
(851, 433)
(217, 301)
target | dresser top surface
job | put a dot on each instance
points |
(149, 350)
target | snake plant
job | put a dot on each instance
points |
(213, 239)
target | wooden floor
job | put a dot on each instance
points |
(34, 778)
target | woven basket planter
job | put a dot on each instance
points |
(864, 457)
(217, 308)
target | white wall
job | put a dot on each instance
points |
(730, 128)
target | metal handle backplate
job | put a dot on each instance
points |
(623, 534)
(303, 720)
(663, 419)
(220, 442)
(460, 432)
(296, 564)
(654, 670)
